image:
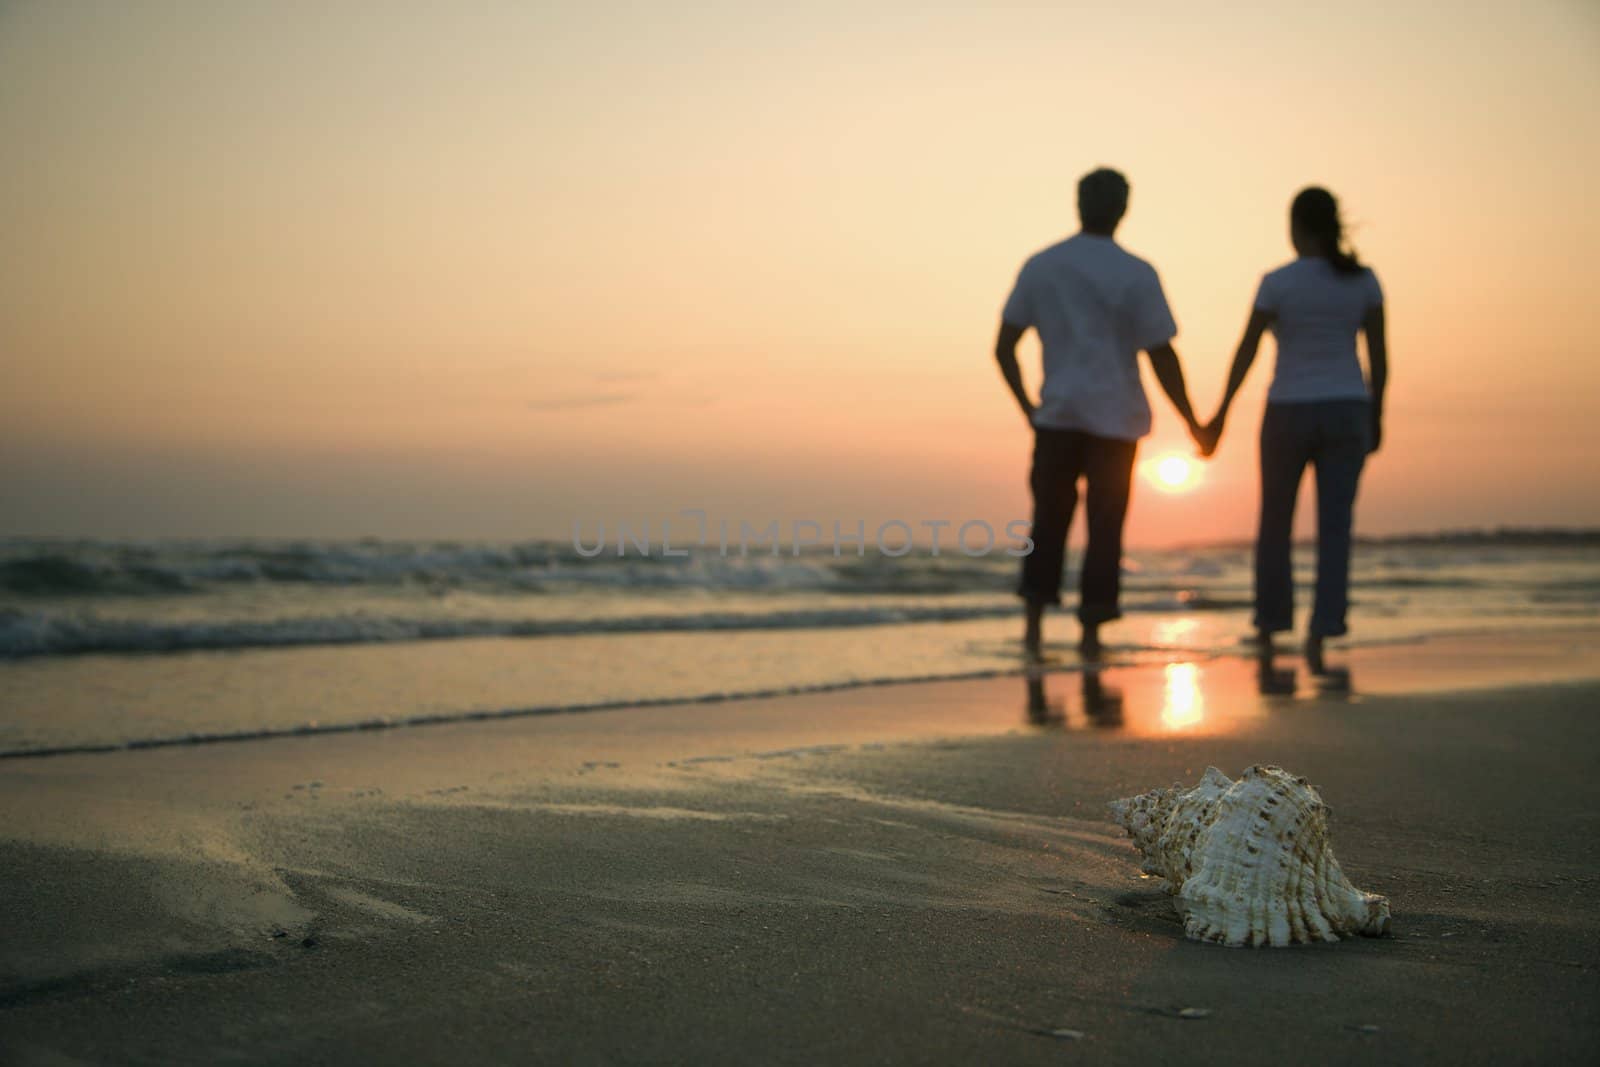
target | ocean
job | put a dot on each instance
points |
(107, 644)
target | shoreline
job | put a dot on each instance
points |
(1119, 659)
(898, 873)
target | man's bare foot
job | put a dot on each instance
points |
(1261, 641)
(1032, 634)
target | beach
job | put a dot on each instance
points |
(919, 872)
(618, 534)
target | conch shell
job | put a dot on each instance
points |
(1248, 861)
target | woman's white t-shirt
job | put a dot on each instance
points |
(1318, 312)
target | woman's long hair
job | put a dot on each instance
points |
(1316, 212)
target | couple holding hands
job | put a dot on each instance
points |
(1096, 307)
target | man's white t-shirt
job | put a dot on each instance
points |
(1318, 313)
(1096, 307)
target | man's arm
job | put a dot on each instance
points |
(1378, 361)
(1243, 357)
(1005, 353)
(1164, 361)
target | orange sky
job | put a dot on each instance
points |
(409, 271)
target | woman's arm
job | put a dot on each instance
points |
(1378, 362)
(1243, 357)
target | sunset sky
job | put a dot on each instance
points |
(479, 270)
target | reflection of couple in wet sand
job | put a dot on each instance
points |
(1096, 307)
(1178, 703)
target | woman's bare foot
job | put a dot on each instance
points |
(1089, 645)
(1314, 654)
(1261, 641)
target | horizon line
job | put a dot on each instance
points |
(1552, 536)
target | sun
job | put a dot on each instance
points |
(1173, 473)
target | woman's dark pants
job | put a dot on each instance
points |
(1334, 437)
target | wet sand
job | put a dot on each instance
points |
(916, 873)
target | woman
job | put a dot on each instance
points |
(1320, 410)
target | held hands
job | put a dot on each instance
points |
(1207, 436)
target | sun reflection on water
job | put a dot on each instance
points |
(1183, 704)
(1179, 701)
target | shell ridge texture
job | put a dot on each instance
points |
(1248, 862)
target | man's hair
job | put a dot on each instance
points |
(1102, 198)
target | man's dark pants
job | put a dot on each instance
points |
(1060, 458)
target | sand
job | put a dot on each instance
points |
(917, 873)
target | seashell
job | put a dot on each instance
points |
(1249, 861)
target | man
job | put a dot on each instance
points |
(1096, 307)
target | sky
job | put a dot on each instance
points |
(483, 270)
